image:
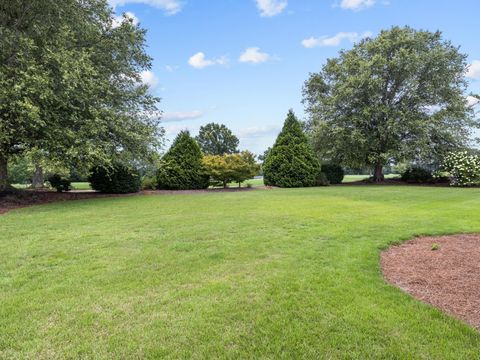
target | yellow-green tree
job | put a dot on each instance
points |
(231, 167)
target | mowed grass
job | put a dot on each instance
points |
(257, 274)
(352, 178)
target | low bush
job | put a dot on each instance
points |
(464, 168)
(119, 179)
(58, 182)
(417, 174)
(333, 172)
(149, 183)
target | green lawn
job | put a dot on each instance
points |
(81, 186)
(265, 274)
(352, 178)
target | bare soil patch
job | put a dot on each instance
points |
(447, 278)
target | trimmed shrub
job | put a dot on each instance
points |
(182, 168)
(291, 162)
(119, 179)
(464, 168)
(58, 182)
(333, 172)
(417, 174)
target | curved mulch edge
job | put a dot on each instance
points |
(447, 278)
(26, 198)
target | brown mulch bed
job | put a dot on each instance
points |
(447, 278)
(24, 198)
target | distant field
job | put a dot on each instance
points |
(81, 186)
(352, 178)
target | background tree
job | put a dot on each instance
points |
(217, 139)
(397, 96)
(182, 168)
(228, 168)
(70, 84)
(291, 162)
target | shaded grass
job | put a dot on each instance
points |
(260, 274)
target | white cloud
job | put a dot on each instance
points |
(253, 55)
(269, 8)
(127, 16)
(472, 101)
(334, 40)
(257, 131)
(149, 78)
(182, 116)
(169, 6)
(474, 70)
(199, 61)
(171, 68)
(172, 130)
(356, 4)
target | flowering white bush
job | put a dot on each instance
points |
(464, 168)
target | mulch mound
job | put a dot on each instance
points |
(447, 278)
(23, 198)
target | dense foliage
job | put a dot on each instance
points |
(333, 172)
(291, 162)
(60, 183)
(217, 139)
(398, 96)
(417, 174)
(182, 168)
(231, 167)
(464, 168)
(70, 84)
(116, 179)
(149, 183)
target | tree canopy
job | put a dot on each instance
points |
(70, 83)
(399, 96)
(217, 139)
(231, 167)
(291, 162)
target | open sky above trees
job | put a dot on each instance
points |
(234, 62)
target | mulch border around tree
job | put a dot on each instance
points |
(447, 278)
(25, 198)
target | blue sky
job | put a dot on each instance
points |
(243, 62)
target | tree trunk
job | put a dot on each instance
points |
(224, 184)
(378, 173)
(3, 173)
(38, 179)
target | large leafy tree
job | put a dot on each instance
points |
(70, 84)
(399, 96)
(291, 162)
(217, 139)
(181, 168)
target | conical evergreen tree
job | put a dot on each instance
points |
(291, 162)
(182, 167)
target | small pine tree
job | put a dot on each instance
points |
(181, 167)
(291, 162)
